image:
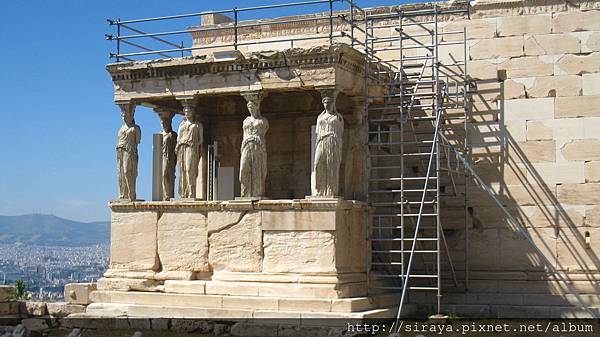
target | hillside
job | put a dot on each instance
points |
(50, 230)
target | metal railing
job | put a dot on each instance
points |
(133, 41)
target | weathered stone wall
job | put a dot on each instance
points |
(535, 137)
(202, 240)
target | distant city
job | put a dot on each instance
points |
(46, 269)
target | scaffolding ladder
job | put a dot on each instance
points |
(412, 97)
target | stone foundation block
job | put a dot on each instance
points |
(582, 194)
(9, 308)
(525, 24)
(6, 292)
(185, 287)
(592, 171)
(312, 251)
(551, 174)
(34, 308)
(498, 47)
(570, 64)
(592, 216)
(255, 303)
(576, 21)
(584, 150)
(591, 84)
(528, 66)
(582, 106)
(79, 293)
(551, 44)
(237, 247)
(534, 152)
(476, 28)
(63, 309)
(183, 241)
(125, 284)
(539, 130)
(133, 241)
(529, 109)
(568, 129)
(553, 86)
(573, 252)
(590, 41)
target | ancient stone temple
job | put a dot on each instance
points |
(427, 158)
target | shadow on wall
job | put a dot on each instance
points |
(541, 195)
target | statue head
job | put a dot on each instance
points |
(128, 118)
(253, 108)
(329, 104)
(188, 114)
(165, 123)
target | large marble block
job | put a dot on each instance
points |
(133, 244)
(183, 241)
(237, 246)
(299, 251)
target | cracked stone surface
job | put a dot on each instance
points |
(236, 246)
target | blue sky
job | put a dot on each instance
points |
(59, 120)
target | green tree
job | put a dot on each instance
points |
(21, 292)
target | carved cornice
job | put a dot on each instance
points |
(273, 28)
(200, 206)
(317, 57)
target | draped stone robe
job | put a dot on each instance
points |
(169, 162)
(127, 160)
(328, 154)
(253, 161)
(188, 157)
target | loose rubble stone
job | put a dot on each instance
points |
(35, 308)
(6, 292)
(35, 324)
(75, 333)
(190, 325)
(79, 293)
(20, 331)
(63, 309)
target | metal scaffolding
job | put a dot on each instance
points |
(411, 169)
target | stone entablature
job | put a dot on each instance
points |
(146, 81)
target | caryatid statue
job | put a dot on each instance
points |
(129, 137)
(328, 152)
(253, 161)
(169, 159)
(188, 150)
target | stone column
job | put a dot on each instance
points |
(329, 147)
(253, 152)
(129, 137)
(188, 148)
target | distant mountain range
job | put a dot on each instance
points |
(50, 230)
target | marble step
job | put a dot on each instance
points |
(354, 304)
(115, 310)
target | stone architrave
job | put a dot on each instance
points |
(253, 159)
(328, 153)
(169, 158)
(188, 150)
(129, 137)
